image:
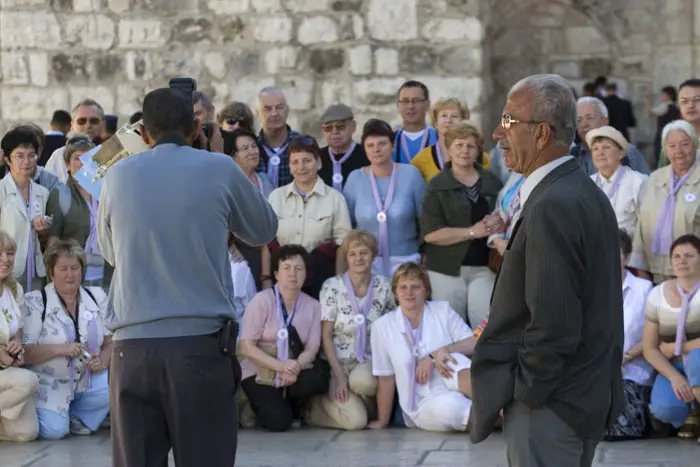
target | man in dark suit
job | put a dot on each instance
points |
(620, 112)
(550, 356)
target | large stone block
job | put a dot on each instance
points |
(90, 31)
(303, 6)
(586, 40)
(215, 63)
(386, 61)
(231, 28)
(67, 68)
(346, 5)
(351, 27)
(39, 68)
(326, 60)
(87, 5)
(30, 104)
(192, 30)
(334, 91)
(592, 67)
(317, 29)
(29, 30)
(247, 90)
(299, 92)
(273, 28)
(21, 4)
(281, 59)
(392, 20)
(453, 29)
(139, 65)
(102, 94)
(15, 69)
(417, 59)
(266, 6)
(361, 60)
(468, 89)
(108, 67)
(229, 6)
(462, 59)
(245, 62)
(179, 6)
(178, 61)
(376, 92)
(129, 98)
(119, 6)
(142, 33)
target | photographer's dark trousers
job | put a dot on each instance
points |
(172, 392)
(276, 410)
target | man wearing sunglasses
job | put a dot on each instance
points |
(549, 357)
(342, 155)
(88, 118)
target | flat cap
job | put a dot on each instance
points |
(336, 113)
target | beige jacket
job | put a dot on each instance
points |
(17, 301)
(686, 219)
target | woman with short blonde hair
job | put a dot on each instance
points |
(18, 420)
(443, 114)
(350, 304)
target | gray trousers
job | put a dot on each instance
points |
(174, 393)
(541, 439)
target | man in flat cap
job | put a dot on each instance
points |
(342, 155)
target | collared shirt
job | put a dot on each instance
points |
(309, 221)
(57, 165)
(625, 200)
(537, 176)
(285, 176)
(634, 292)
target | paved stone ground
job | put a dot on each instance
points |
(397, 447)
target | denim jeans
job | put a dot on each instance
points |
(665, 406)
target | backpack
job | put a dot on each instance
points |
(64, 198)
(43, 300)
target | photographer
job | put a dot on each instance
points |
(163, 221)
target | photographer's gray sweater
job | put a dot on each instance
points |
(163, 222)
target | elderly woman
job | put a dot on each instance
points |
(350, 303)
(18, 420)
(40, 175)
(235, 116)
(669, 204)
(67, 345)
(672, 336)
(456, 222)
(420, 350)
(280, 339)
(385, 199)
(22, 207)
(621, 184)
(74, 212)
(633, 421)
(310, 213)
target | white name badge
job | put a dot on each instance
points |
(282, 333)
(37, 206)
(381, 217)
(275, 160)
(337, 178)
(359, 320)
(88, 315)
(690, 197)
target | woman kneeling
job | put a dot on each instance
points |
(420, 350)
(280, 337)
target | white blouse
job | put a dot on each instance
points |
(56, 387)
(392, 354)
(634, 292)
(625, 200)
(336, 308)
(8, 312)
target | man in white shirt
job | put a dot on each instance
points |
(88, 118)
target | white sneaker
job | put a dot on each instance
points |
(77, 427)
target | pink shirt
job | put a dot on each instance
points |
(261, 322)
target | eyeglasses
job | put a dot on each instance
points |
(507, 120)
(231, 120)
(337, 126)
(414, 101)
(24, 157)
(93, 121)
(78, 140)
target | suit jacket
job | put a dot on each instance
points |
(53, 142)
(555, 332)
(620, 114)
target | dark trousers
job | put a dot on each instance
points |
(276, 410)
(172, 392)
(541, 439)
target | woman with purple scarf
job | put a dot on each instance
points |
(350, 304)
(669, 203)
(67, 346)
(671, 339)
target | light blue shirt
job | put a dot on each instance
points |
(414, 146)
(403, 214)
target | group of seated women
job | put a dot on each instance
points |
(54, 349)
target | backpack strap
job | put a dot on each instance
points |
(91, 295)
(64, 198)
(43, 300)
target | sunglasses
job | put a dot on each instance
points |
(92, 120)
(337, 126)
(231, 120)
(78, 140)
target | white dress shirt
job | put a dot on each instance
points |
(57, 165)
(625, 201)
(537, 176)
(634, 293)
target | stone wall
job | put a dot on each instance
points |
(55, 52)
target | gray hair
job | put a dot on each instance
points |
(88, 103)
(553, 102)
(679, 125)
(271, 90)
(76, 142)
(602, 108)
